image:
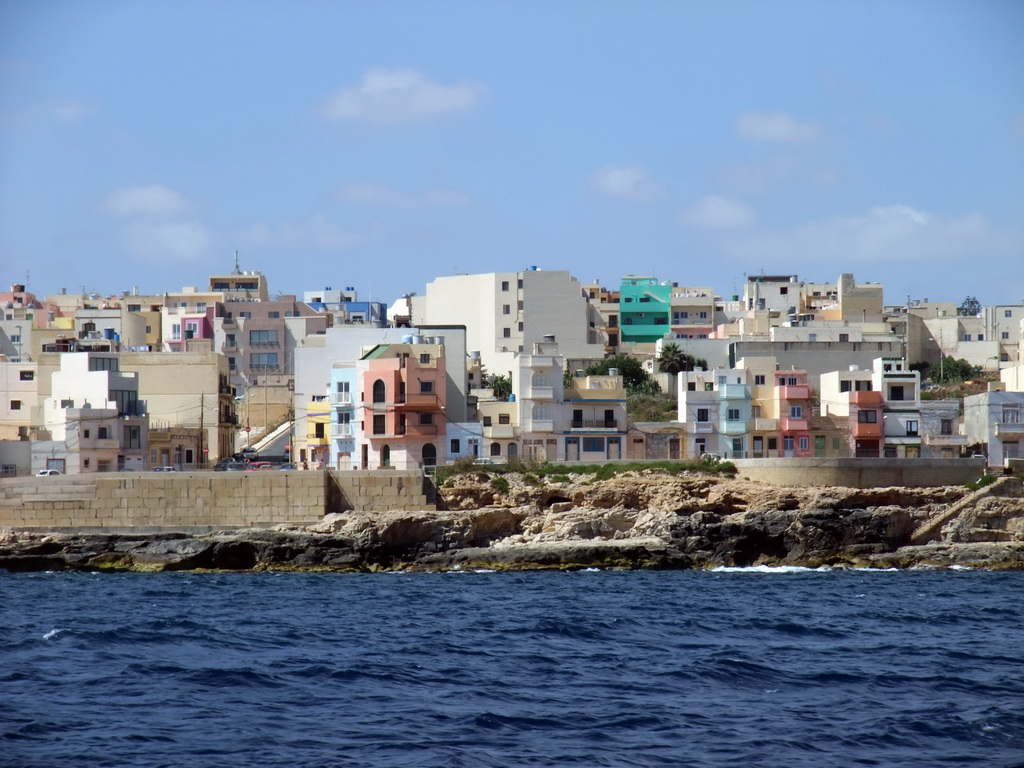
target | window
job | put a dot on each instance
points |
(721, 380)
(911, 428)
(946, 427)
(127, 401)
(788, 443)
(379, 391)
(86, 433)
(805, 443)
(379, 424)
(784, 290)
(981, 337)
(703, 315)
(1006, 335)
(454, 448)
(263, 360)
(703, 414)
(843, 337)
(737, 445)
(229, 340)
(426, 418)
(796, 411)
(103, 433)
(27, 375)
(176, 331)
(274, 315)
(232, 365)
(541, 380)
(15, 405)
(593, 444)
(495, 449)
(200, 306)
(520, 327)
(424, 358)
(1011, 415)
(104, 364)
(132, 437)
(504, 285)
(487, 421)
(506, 333)
(67, 403)
(134, 307)
(245, 315)
(758, 381)
(896, 392)
(519, 283)
(733, 414)
(426, 387)
(504, 418)
(967, 337)
(867, 417)
(506, 309)
(263, 338)
(1007, 313)
(540, 413)
(755, 411)
(791, 381)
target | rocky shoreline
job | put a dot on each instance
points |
(645, 519)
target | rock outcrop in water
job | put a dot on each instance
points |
(645, 519)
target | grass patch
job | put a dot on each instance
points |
(981, 482)
(500, 484)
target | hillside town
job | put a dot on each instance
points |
(534, 365)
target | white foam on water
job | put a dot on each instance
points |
(957, 567)
(762, 569)
(52, 634)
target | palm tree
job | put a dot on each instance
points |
(672, 359)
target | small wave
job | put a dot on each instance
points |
(762, 569)
(52, 634)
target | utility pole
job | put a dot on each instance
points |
(202, 433)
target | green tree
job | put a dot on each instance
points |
(636, 380)
(501, 386)
(674, 360)
(950, 370)
(970, 307)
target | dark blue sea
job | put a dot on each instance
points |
(723, 668)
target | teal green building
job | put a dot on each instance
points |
(644, 309)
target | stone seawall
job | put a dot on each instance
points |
(861, 473)
(200, 501)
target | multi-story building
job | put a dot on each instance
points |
(538, 385)
(699, 410)
(994, 420)
(793, 398)
(941, 433)
(645, 309)
(504, 313)
(693, 312)
(597, 418)
(344, 394)
(403, 405)
(94, 418)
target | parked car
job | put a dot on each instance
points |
(235, 466)
(163, 469)
(249, 453)
(260, 465)
(48, 473)
(287, 465)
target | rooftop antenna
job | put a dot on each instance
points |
(237, 270)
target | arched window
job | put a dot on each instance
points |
(385, 456)
(495, 449)
(429, 455)
(513, 450)
(379, 391)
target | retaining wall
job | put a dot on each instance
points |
(194, 501)
(861, 473)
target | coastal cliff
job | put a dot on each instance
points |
(637, 519)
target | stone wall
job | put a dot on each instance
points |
(861, 473)
(196, 501)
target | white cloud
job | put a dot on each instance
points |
(780, 127)
(71, 110)
(163, 241)
(152, 201)
(373, 193)
(318, 232)
(388, 96)
(718, 212)
(629, 182)
(883, 234)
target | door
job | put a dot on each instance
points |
(572, 449)
(819, 446)
(429, 455)
(673, 448)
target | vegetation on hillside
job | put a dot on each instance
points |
(545, 471)
(636, 380)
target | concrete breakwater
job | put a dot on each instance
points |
(199, 501)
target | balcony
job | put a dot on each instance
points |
(734, 391)
(419, 400)
(703, 427)
(736, 427)
(499, 431)
(594, 424)
(421, 430)
(541, 425)
(539, 393)
(1010, 428)
(339, 399)
(865, 429)
(795, 392)
(101, 444)
(766, 425)
(791, 424)
(944, 440)
(341, 430)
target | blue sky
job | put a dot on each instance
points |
(381, 144)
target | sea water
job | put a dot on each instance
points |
(747, 667)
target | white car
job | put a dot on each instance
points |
(164, 469)
(48, 473)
